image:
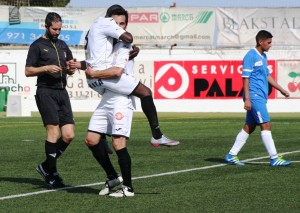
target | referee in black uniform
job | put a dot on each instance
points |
(48, 59)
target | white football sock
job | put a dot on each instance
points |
(240, 141)
(268, 141)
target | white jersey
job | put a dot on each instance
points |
(100, 57)
(100, 42)
(113, 115)
(112, 99)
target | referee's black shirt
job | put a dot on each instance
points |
(44, 52)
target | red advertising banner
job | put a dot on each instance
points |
(201, 79)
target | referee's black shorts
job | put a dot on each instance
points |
(54, 106)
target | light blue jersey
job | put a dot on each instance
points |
(255, 67)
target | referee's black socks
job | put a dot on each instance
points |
(50, 164)
(61, 147)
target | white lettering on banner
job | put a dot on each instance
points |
(145, 17)
(216, 70)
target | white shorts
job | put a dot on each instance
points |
(112, 121)
(124, 84)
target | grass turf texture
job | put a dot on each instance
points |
(205, 139)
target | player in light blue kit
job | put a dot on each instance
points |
(256, 77)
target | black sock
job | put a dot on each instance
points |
(125, 166)
(61, 147)
(102, 157)
(49, 164)
(149, 109)
(103, 136)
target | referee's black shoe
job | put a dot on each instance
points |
(54, 180)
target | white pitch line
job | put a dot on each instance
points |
(136, 178)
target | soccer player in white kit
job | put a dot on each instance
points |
(100, 41)
(113, 116)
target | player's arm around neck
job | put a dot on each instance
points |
(127, 37)
(112, 72)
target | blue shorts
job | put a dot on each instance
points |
(258, 113)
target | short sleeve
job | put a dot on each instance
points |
(32, 56)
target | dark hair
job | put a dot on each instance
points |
(117, 10)
(51, 17)
(262, 35)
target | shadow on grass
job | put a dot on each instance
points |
(215, 160)
(32, 181)
(40, 184)
(70, 189)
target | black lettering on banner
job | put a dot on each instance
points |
(200, 85)
(215, 90)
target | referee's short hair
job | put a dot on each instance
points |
(52, 17)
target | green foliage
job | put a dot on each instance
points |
(38, 3)
(49, 3)
(187, 178)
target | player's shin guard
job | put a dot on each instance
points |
(125, 166)
(268, 141)
(240, 141)
(149, 109)
(50, 163)
(103, 159)
(61, 147)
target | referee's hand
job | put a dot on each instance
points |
(52, 69)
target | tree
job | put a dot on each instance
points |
(39, 3)
(49, 3)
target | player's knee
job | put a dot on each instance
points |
(90, 142)
(148, 91)
(142, 91)
(69, 137)
(118, 143)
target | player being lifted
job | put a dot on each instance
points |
(100, 39)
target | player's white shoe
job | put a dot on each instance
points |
(123, 192)
(163, 141)
(110, 184)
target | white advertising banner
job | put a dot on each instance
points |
(239, 26)
(28, 23)
(147, 25)
(288, 76)
(172, 25)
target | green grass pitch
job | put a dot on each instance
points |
(188, 178)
